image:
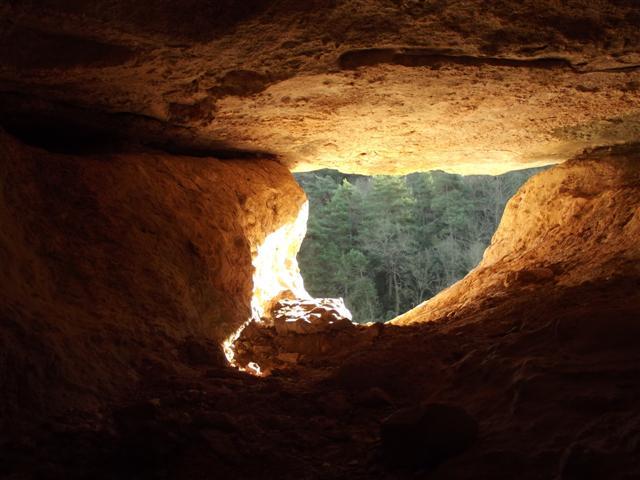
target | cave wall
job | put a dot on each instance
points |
(121, 271)
(123, 266)
(575, 224)
(366, 86)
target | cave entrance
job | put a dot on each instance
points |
(387, 243)
(375, 247)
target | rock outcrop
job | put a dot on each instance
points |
(299, 331)
(117, 267)
(147, 212)
(367, 86)
(310, 316)
(577, 223)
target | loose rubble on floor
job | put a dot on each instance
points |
(298, 331)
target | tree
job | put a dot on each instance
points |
(358, 289)
(388, 241)
(386, 244)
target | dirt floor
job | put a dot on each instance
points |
(552, 379)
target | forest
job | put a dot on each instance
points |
(387, 243)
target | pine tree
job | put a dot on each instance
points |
(386, 244)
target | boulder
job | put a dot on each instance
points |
(314, 315)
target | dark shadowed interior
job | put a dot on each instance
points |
(154, 323)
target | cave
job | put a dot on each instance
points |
(151, 221)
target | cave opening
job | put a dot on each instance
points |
(388, 243)
(370, 249)
(151, 224)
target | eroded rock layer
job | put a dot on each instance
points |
(577, 223)
(531, 366)
(367, 86)
(116, 265)
(122, 273)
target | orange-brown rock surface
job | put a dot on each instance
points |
(577, 223)
(147, 211)
(367, 86)
(296, 332)
(117, 265)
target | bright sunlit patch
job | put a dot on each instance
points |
(254, 368)
(229, 351)
(276, 266)
(275, 271)
(227, 345)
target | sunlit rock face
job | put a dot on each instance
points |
(310, 316)
(299, 332)
(575, 224)
(276, 270)
(123, 274)
(121, 267)
(367, 86)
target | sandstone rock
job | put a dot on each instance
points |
(528, 276)
(415, 85)
(310, 316)
(115, 263)
(426, 435)
(121, 270)
(298, 331)
(573, 224)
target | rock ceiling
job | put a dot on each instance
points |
(368, 86)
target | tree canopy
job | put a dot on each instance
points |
(386, 244)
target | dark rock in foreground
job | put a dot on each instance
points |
(426, 435)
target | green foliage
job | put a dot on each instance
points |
(386, 244)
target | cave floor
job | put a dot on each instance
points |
(552, 377)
